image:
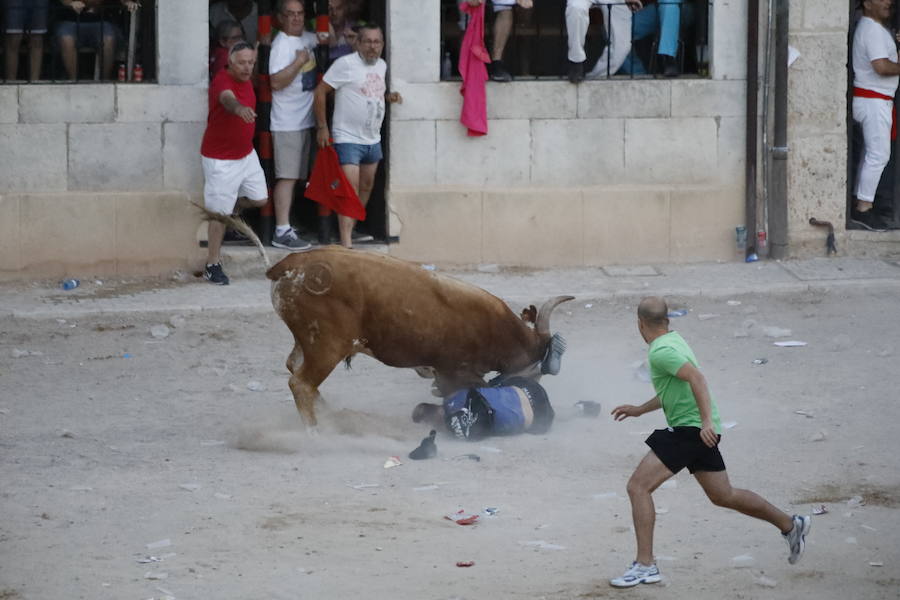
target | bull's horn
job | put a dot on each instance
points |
(237, 224)
(542, 324)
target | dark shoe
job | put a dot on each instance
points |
(289, 240)
(868, 220)
(427, 449)
(576, 72)
(669, 65)
(215, 274)
(498, 71)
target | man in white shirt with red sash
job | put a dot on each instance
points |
(876, 74)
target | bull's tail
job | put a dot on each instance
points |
(237, 224)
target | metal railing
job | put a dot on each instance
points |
(104, 43)
(539, 45)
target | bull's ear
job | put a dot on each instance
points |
(529, 315)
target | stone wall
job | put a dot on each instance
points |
(97, 177)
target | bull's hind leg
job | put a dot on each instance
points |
(308, 371)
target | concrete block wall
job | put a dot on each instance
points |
(817, 123)
(603, 172)
(107, 170)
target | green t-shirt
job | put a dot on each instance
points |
(667, 355)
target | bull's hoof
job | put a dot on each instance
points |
(552, 362)
(427, 449)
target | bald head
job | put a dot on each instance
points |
(654, 312)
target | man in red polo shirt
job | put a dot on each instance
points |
(231, 168)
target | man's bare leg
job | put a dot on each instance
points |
(283, 196)
(718, 489)
(649, 475)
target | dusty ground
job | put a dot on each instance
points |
(112, 440)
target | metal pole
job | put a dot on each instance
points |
(778, 222)
(752, 120)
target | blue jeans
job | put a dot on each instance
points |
(90, 34)
(664, 16)
(358, 154)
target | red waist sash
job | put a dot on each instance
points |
(859, 92)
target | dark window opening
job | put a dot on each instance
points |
(46, 41)
(538, 46)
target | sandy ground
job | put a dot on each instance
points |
(133, 467)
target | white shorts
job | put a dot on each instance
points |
(501, 5)
(228, 180)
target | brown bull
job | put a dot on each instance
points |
(338, 302)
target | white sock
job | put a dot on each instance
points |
(281, 229)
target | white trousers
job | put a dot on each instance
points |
(874, 115)
(616, 21)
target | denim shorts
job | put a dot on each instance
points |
(89, 34)
(358, 154)
(26, 15)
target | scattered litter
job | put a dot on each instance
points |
(148, 559)
(589, 408)
(490, 449)
(605, 495)
(760, 361)
(474, 457)
(851, 540)
(65, 433)
(588, 305)
(544, 545)
(191, 487)
(159, 331)
(160, 544)
(378, 548)
(176, 321)
(489, 268)
(776, 332)
(392, 461)
(17, 353)
(222, 496)
(212, 443)
(868, 528)
(876, 563)
(765, 581)
(820, 510)
(729, 424)
(805, 413)
(677, 313)
(461, 517)
(491, 511)
(661, 510)
(669, 483)
(156, 576)
(743, 561)
(429, 267)
(81, 488)
(364, 486)
(789, 344)
(707, 316)
(856, 501)
(818, 436)
(733, 303)
(126, 355)
(465, 563)
(256, 386)
(425, 488)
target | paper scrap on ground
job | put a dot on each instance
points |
(461, 517)
(544, 545)
(392, 461)
(789, 344)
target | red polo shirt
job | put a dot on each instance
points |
(227, 136)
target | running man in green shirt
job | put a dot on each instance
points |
(691, 440)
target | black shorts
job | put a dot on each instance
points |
(680, 447)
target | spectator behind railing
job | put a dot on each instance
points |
(343, 22)
(617, 16)
(21, 17)
(503, 24)
(244, 12)
(84, 23)
(228, 33)
(665, 17)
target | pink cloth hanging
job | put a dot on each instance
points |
(473, 58)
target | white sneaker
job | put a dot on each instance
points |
(637, 574)
(796, 537)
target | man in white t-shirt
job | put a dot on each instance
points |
(616, 21)
(876, 73)
(292, 74)
(358, 80)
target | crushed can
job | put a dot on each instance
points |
(138, 73)
(122, 72)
